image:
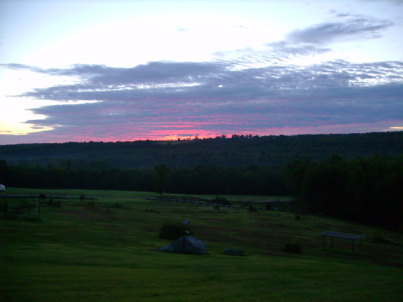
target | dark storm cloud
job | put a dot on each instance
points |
(357, 28)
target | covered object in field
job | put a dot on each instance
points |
(2, 188)
(186, 244)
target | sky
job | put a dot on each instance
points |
(120, 70)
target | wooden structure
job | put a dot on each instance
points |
(331, 234)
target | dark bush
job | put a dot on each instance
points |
(173, 231)
(293, 247)
(42, 196)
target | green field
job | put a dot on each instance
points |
(104, 248)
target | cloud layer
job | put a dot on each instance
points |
(187, 99)
(356, 28)
(230, 95)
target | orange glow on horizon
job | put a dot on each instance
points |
(171, 133)
(182, 137)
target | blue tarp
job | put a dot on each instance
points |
(186, 244)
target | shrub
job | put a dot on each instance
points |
(173, 231)
(42, 196)
(293, 247)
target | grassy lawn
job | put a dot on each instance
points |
(105, 249)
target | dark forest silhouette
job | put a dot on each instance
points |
(362, 182)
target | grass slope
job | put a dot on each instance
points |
(106, 250)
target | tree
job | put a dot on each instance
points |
(366, 190)
(161, 179)
(3, 171)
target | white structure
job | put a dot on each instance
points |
(2, 188)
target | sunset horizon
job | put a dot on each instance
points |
(169, 70)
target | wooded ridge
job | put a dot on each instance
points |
(234, 151)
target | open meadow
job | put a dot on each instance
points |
(104, 247)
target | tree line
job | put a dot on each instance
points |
(204, 179)
(367, 190)
(234, 151)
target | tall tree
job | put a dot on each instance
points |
(161, 179)
(3, 171)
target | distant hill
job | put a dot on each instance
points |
(275, 151)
